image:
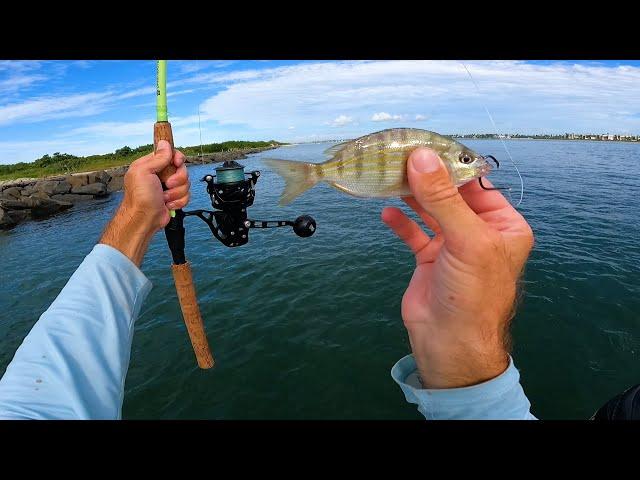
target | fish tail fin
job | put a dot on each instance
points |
(298, 177)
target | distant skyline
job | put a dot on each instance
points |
(95, 107)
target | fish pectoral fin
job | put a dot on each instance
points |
(296, 175)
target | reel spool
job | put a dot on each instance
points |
(232, 191)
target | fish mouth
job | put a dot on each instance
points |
(484, 169)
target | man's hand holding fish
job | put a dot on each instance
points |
(461, 298)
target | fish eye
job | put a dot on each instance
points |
(466, 159)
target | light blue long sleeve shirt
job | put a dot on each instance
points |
(74, 361)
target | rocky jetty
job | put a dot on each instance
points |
(36, 198)
(31, 198)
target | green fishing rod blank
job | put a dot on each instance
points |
(161, 91)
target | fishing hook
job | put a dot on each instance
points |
(497, 166)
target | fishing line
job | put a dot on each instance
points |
(200, 129)
(495, 128)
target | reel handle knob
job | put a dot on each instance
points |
(304, 226)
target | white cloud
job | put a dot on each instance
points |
(124, 130)
(385, 117)
(198, 65)
(46, 108)
(236, 76)
(19, 65)
(17, 82)
(150, 91)
(341, 121)
(521, 96)
(65, 106)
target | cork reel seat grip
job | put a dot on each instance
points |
(182, 276)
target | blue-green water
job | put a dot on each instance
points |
(309, 328)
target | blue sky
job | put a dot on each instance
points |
(88, 107)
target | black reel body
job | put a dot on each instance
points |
(232, 191)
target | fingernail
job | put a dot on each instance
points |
(171, 206)
(425, 161)
(162, 145)
(166, 197)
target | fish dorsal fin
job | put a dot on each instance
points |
(331, 151)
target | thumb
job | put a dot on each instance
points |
(433, 189)
(162, 156)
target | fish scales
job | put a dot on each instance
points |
(374, 165)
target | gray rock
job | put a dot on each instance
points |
(12, 192)
(45, 186)
(39, 194)
(52, 187)
(19, 215)
(62, 187)
(39, 207)
(21, 204)
(98, 177)
(48, 207)
(6, 220)
(77, 179)
(28, 190)
(72, 197)
(98, 189)
(118, 171)
(20, 182)
(116, 184)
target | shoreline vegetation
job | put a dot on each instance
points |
(66, 164)
(53, 184)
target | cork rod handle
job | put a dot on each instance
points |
(191, 314)
(182, 274)
(162, 131)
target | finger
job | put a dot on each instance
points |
(426, 218)
(180, 203)
(406, 229)
(180, 177)
(178, 158)
(176, 193)
(492, 207)
(161, 158)
(481, 200)
(433, 190)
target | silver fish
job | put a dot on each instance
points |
(375, 165)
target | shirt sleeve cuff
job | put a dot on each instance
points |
(114, 257)
(501, 398)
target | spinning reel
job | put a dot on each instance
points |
(232, 191)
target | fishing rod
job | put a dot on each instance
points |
(174, 231)
(232, 191)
